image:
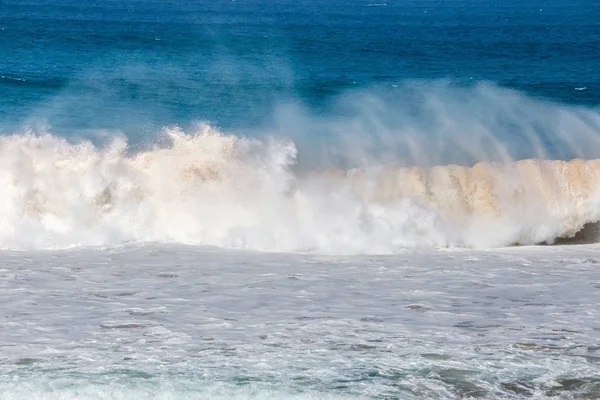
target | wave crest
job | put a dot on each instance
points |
(215, 189)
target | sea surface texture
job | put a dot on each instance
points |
(250, 199)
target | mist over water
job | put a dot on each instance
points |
(421, 164)
(427, 123)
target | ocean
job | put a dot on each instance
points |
(250, 199)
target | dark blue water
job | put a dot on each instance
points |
(137, 65)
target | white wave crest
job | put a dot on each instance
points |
(210, 188)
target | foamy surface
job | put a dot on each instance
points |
(186, 322)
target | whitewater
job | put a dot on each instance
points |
(213, 189)
(191, 322)
(275, 192)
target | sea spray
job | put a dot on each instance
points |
(211, 188)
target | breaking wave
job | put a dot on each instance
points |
(270, 193)
(215, 189)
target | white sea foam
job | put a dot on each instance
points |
(215, 189)
(188, 322)
(383, 186)
(68, 390)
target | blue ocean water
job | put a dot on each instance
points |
(135, 66)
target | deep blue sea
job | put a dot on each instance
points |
(294, 199)
(135, 66)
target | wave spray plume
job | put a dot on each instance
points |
(210, 188)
